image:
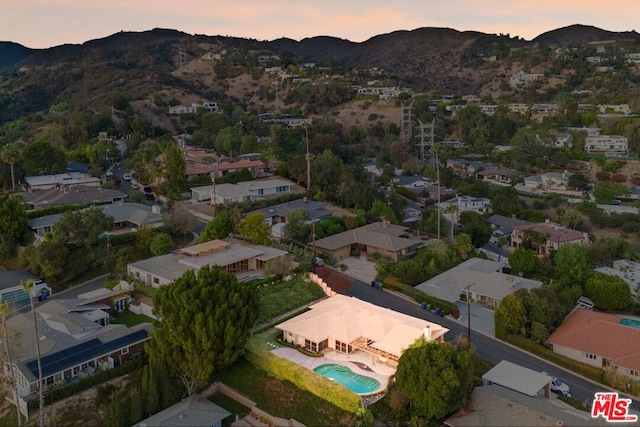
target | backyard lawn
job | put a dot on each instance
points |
(130, 319)
(282, 297)
(282, 398)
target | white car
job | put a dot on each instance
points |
(558, 386)
(127, 177)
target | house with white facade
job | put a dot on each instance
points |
(348, 325)
(224, 194)
(607, 145)
(479, 205)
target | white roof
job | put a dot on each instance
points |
(518, 378)
(346, 319)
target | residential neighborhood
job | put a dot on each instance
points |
(236, 232)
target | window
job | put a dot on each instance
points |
(634, 373)
(343, 347)
(125, 350)
(590, 356)
(156, 281)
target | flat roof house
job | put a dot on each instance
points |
(244, 260)
(192, 411)
(347, 324)
(257, 168)
(46, 182)
(314, 211)
(75, 195)
(600, 339)
(386, 239)
(127, 217)
(224, 194)
(484, 279)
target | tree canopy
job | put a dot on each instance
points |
(206, 321)
(255, 229)
(608, 292)
(13, 223)
(522, 261)
(82, 228)
(436, 377)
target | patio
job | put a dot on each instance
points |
(353, 361)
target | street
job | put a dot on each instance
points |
(488, 348)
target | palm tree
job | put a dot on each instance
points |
(4, 310)
(452, 209)
(502, 242)
(9, 155)
(28, 287)
(463, 245)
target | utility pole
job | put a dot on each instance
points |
(468, 313)
(214, 200)
(306, 137)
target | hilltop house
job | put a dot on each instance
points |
(348, 325)
(382, 238)
(12, 292)
(600, 339)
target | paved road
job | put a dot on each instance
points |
(486, 347)
(91, 285)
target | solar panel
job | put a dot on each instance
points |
(81, 353)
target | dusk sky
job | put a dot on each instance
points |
(46, 23)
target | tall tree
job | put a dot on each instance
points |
(10, 154)
(4, 311)
(255, 229)
(511, 315)
(452, 210)
(174, 170)
(206, 322)
(13, 223)
(522, 261)
(463, 245)
(608, 292)
(29, 288)
(437, 378)
(161, 244)
(82, 228)
(572, 265)
(297, 229)
(41, 157)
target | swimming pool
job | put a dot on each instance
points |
(345, 376)
(630, 322)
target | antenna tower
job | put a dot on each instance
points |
(182, 54)
(423, 128)
(405, 123)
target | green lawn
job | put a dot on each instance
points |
(284, 296)
(281, 398)
(130, 319)
(236, 408)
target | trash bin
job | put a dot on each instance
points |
(424, 305)
(428, 307)
(380, 285)
(373, 284)
(437, 311)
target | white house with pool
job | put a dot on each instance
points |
(349, 326)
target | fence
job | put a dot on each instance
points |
(318, 281)
(142, 308)
(219, 387)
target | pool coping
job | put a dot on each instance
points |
(311, 363)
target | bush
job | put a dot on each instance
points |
(631, 227)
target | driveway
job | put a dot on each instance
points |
(360, 268)
(481, 318)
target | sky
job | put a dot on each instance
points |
(47, 23)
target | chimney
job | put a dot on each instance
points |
(384, 223)
(427, 333)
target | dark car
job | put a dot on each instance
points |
(150, 196)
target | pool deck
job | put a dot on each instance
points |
(379, 371)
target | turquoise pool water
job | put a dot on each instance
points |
(345, 376)
(630, 322)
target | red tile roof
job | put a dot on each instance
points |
(197, 169)
(600, 334)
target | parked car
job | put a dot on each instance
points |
(319, 261)
(616, 202)
(559, 386)
(127, 177)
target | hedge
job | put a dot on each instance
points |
(301, 377)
